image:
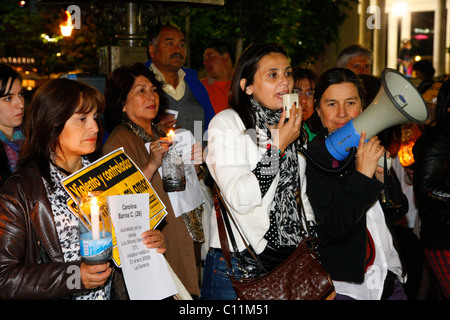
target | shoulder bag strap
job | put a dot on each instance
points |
(301, 212)
(222, 216)
(222, 233)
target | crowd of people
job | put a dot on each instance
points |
(250, 151)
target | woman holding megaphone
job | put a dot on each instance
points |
(356, 248)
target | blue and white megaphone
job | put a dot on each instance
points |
(397, 102)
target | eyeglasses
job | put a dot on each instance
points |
(309, 93)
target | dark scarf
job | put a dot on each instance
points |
(285, 220)
(12, 148)
(140, 132)
(192, 219)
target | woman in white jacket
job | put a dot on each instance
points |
(253, 159)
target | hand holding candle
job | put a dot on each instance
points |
(95, 228)
(157, 149)
(173, 168)
(171, 135)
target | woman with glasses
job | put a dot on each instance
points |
(304, 84)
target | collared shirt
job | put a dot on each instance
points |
(176, 93)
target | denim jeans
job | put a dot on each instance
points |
(216, 282)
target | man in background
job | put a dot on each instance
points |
(218, 61)
(188, 107)
(188, 100)
(356, 58)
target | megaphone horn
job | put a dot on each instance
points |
(397, 102)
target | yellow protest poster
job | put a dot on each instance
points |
(114, 174)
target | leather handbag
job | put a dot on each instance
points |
(299, 277)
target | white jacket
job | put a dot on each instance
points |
(231, 156)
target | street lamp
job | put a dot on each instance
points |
(67, 27)
(404, 59)
(400, 8)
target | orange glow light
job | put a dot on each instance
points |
(67, 27)
(171, 135)
(405, 154)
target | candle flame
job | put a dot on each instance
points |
(409, 134)
(171, 135)
(405, 154)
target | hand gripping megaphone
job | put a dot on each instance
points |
(397, 102)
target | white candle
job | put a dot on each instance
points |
(95, 219)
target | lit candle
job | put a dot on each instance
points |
(171, 135)
(95, 219)
(405, 154)
(409, 134)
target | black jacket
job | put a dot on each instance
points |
(340, 204)
(31, 259)
(432, 186)
(5, 171)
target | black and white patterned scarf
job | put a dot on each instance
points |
(286, 227)
(66, 224)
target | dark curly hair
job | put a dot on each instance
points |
(119, 85)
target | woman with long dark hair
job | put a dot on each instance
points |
(11, 117)
(253, 159)
(40, 253)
